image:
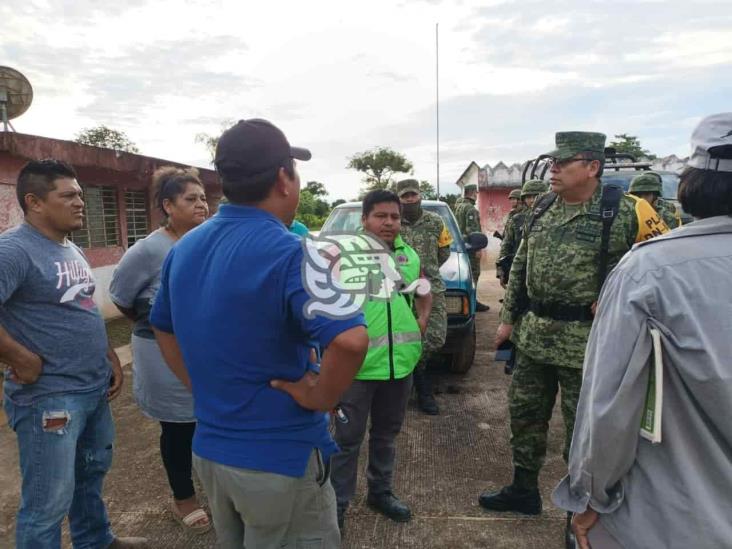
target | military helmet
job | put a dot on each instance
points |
(647, 182)
(516, 193)
(533, 187)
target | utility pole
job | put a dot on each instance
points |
(437, 100)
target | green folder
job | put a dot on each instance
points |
(651, 418)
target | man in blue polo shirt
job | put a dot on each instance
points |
(229, 317)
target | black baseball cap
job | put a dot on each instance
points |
(253, 147)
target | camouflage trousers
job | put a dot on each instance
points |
(474, 268)
(531, 400)
(434, 337)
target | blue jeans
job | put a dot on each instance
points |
(65, 447)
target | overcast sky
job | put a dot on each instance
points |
(340, 76)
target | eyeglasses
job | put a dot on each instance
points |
(566, 162)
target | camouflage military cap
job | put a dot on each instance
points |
(470, 187)
(516, 193)
(534, 187)
(570, 144)
(407, 186)
(648, 182)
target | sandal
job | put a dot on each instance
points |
(193, 521)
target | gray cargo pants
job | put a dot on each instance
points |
(386, 403)
(259, 510)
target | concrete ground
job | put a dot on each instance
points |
(444, 463)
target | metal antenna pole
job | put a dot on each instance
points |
(437, 100)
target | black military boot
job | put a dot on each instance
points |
(425, 399)
(569, 539)
(389, 505)
(522, 496)
(481, 307)
(341, 515)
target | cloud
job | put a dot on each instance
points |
(170, 68)
(602, 44)
(489, 128)
(393, 76)
(349, 78)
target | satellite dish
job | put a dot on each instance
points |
(16, 95)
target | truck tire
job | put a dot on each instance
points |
(462, 360)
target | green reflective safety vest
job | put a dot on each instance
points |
(395, 342)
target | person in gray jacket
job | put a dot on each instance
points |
(624, 490)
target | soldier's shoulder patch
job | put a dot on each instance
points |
(445, 238)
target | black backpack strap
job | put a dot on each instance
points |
(609, 205)
(543, 203)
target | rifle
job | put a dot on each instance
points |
(504, 264)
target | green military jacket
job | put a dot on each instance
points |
(431, 240)
(668, 212)
(467, 216)
(557, 262)
(512, 233)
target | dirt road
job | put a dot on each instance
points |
(444, 462)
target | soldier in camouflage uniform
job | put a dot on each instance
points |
(468, 220)
(553, 289)
(514, 229)
(426, 233)
(649, 187)
(514, 197)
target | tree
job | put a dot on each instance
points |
(102, 136)
(210, 141)
(313, 209)
(450, 199)
(629, 144)
(427, 190)
(316, 188)
(379, 166)
(338, 202)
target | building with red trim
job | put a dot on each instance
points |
(119, 201)
(494, 184)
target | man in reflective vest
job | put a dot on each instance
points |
(382, 386)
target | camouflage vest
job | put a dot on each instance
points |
(424, 236)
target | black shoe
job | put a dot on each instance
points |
(509, 498)
(425, 399)
(569, 539)
(481, 307)
(427, 403)
(388, 505)
(341, 514)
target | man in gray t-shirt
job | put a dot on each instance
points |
(62, 372)
(46, 290)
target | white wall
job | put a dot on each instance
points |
(103, 276)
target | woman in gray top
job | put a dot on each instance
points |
(675, 492)
(181, 197)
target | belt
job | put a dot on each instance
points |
(561, 311)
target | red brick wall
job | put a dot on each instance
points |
(494, 206)
(10, 212)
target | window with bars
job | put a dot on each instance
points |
(101, 219)
(136, 208)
